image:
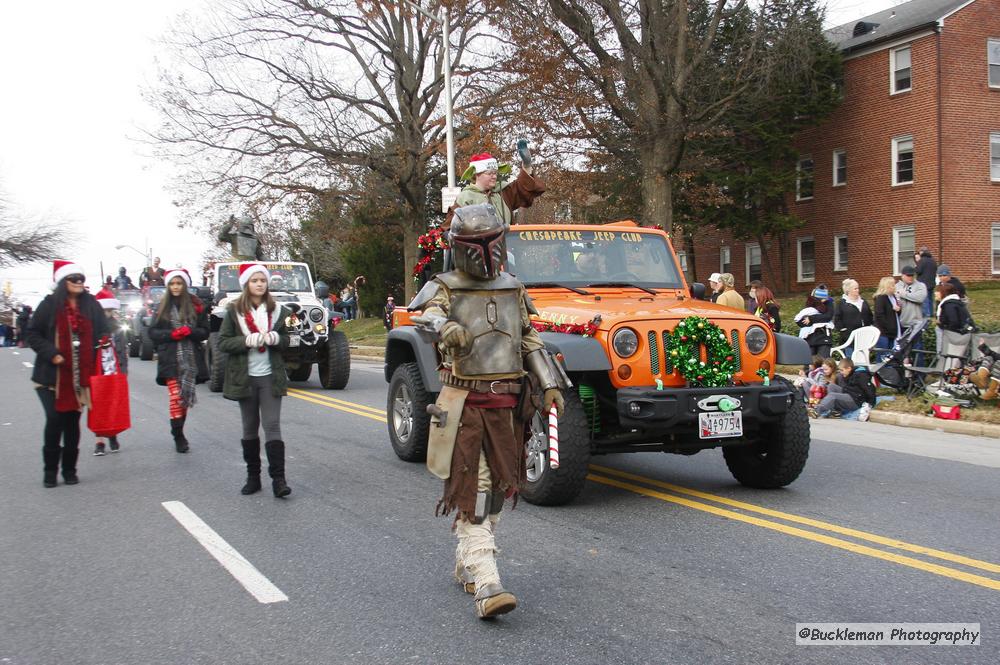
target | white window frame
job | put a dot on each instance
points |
(725, 256)
(750, 247)
(892, 69)
(994, 247)
(798, 259)
(995, 142)
(682, 261)
(989, 43)
(895, 158)
(839, 266)
(798, 178)
(896, 230)
(839, 152)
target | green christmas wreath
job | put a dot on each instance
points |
(684, 350)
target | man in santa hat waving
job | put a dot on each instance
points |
(489, 182)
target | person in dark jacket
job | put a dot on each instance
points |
(854, 390)
(851, 312)
(952, 313)
(765, 306)
(64, 333)
(886, 315)
(926, 268)
(819, 340)
(944, 274)
(23, 318)
(253, 334)
(180, 327)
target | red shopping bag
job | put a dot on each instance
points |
(109, 413)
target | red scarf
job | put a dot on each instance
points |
(70, 320)
(252, 326)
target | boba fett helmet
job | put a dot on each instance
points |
(478, 240)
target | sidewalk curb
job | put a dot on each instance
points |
(925, 422)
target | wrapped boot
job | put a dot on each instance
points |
(980, 378)
(478, 550)
(276, 468)
(994, 388)
(177, 431)
(251, 455)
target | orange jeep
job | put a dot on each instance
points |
(653, 368)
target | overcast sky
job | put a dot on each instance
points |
(70, 77)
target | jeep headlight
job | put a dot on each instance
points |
(625, 342)
(756, 338)
(315, 315)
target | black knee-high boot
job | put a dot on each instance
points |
(251, 455)
(51, 457)
(276, 467)
(69, 457)
(177, 431)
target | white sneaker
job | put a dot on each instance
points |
(866, 410)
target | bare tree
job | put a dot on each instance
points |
(271, 99)
(26, 240)
(636, 78)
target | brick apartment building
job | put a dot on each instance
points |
(911, 157)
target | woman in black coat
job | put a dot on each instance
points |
(852, 312)
(886, 315)
(64, 333)
(953, 315)
(181, 326)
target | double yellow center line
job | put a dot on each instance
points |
(747, 513)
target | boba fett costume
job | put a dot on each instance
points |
(479, 317)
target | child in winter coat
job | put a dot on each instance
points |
(855, 391)
(181, 326)
(253, 333)
(113, 356)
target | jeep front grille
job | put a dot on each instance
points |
(654, 353)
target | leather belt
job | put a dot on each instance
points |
(497, 387)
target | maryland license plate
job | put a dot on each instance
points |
(718, 425)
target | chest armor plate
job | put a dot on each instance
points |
(493, 319)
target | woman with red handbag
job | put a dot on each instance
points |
(253, 333)
(181, 326)
(113, 357)
(64, 333)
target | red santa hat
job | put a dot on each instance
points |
(63, 269)
(248, 269)
(178, 272)
(483, 162)
(107, 299)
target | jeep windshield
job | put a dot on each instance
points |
(571, 258)
(284, 277)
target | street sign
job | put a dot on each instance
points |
(448, 196)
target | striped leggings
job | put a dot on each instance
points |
(177, 410)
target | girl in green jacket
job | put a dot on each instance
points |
(253, 334)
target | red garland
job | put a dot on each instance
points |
(586, 329)
(431, 242)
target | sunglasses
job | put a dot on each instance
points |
(76, 279)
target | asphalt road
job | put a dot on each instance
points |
(661, 559)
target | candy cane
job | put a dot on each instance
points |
(553, 438)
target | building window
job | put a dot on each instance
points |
(996, 249)
(839, 168)
(995, 156)
(725, 259)
(902, 160)
(903, 247)
(993, 51)
(753, 262)
(899, 65)
(682, 258)
(806, 260)
(804, 180)
(840, 252)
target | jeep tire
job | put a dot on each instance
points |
(300, 373)
(778, 455)
(216, 364)
(133, 346)
(555, 487)
(145, 345)
(406, 411)
(335, 362)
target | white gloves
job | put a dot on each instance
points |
(271, 338)
(254, 340)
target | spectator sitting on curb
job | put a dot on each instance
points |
(986, 376)
(945, 277)
(854, 391)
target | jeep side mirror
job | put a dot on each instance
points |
(698, 291)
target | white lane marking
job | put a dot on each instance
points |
(252, 580)
(27, 364)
